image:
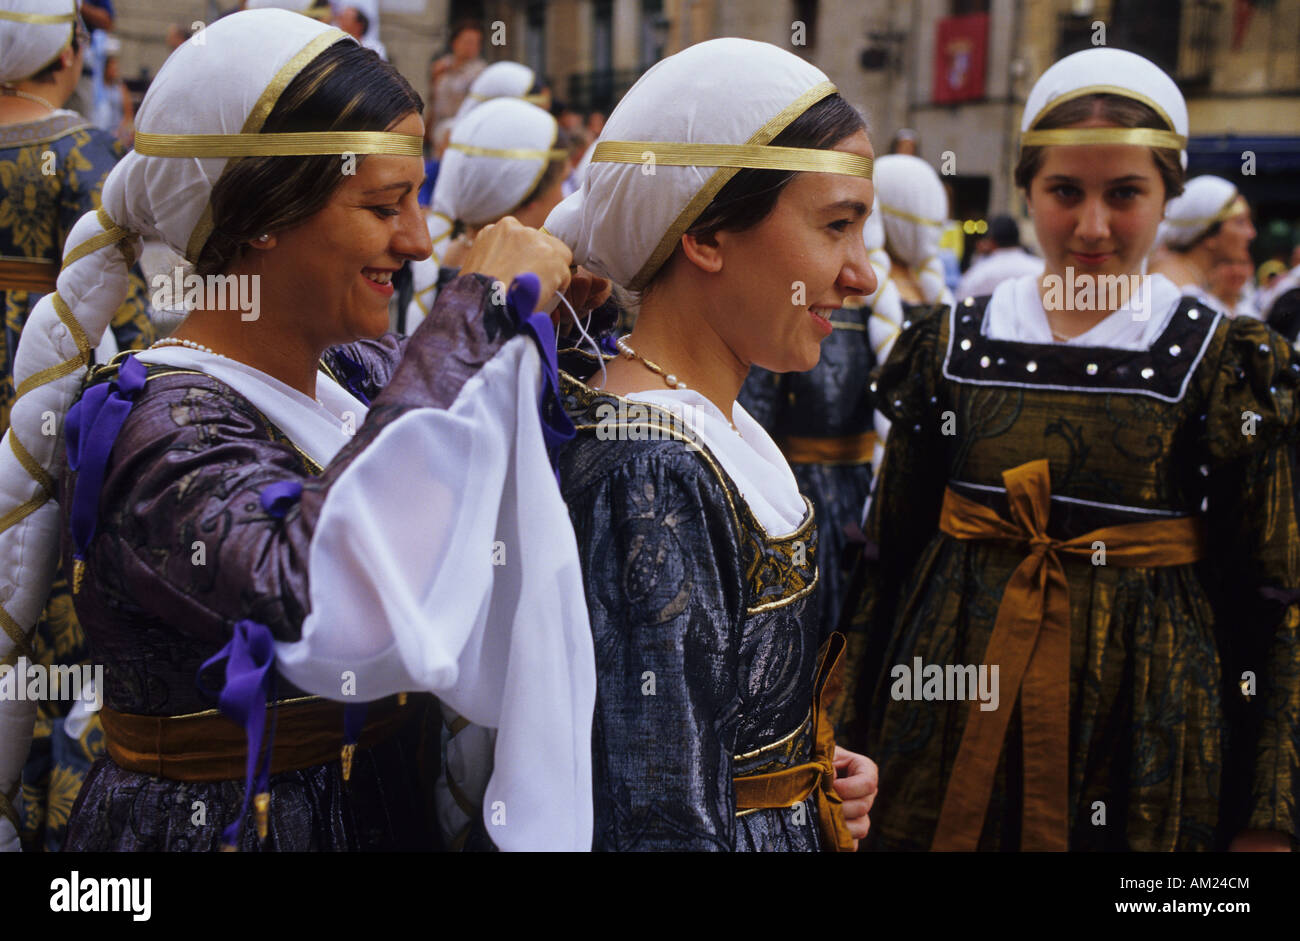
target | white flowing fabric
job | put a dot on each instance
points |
(1015, 312)
(498, 80)
(475, 188)
(26, 48)
(404, 594)
(1113, 71)
(625, 216)
(1204, 201)
(751, 458)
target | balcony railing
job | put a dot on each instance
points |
(1196, 58)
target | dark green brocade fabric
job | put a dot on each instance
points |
(1166, 752)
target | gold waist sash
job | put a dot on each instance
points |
(849, 449)
(209, 747)
(790, 786)
(37, 277)
(1031, 644)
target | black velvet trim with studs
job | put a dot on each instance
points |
(1163, 372)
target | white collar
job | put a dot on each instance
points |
(320, 426)
(1015, 312)
(751, 458)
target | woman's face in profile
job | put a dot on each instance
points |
(791, 271)
(338, 265)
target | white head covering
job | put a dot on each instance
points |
(499, 80)
(912, 206)
(1205, 200)
(496, 156)
(1114, 72)
(32, 34)
(635, 201)
(305, 7)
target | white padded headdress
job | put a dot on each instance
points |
(667, 150)
(32, 34)
(1112, 72)
(1204, 201)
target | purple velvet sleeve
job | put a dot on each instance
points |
(185, 539)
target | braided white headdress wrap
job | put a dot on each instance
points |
(225, 79)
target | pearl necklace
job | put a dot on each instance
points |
(11, 92)
(189, 344)
(668, 377)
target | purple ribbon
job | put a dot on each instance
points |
(352, 374)
(276, 498)
(557, 427)
(90, 430)
(250, 681)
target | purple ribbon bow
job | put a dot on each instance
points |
(91, 429)
(250, 681)
(557, 427)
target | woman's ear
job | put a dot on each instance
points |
(705, 255)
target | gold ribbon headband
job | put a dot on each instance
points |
(537, 99)
(514, 153)
(40, 19)
(1235, 206)
(1142, 136)
(919, 220)
(735, 156)
(311, 143)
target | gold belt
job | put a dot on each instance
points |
(848, 449)
(1031, 644)
(35, 276)
(207, 746)
(790, 786)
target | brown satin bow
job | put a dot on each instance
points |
(1030, 644)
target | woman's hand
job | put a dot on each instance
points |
(506, 249)
(856, 786)
(586, 292)
(1260, 841)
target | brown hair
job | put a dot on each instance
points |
(345, 88)
(1126, 112)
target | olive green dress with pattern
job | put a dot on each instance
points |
(1166, 750)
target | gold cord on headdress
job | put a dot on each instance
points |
(512, 153)
(910, 217)
(1142, 136)
(1235, 206)
(299, 144)
(734, 156)
(38, 19)
(538, 99)
(1166, 138)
